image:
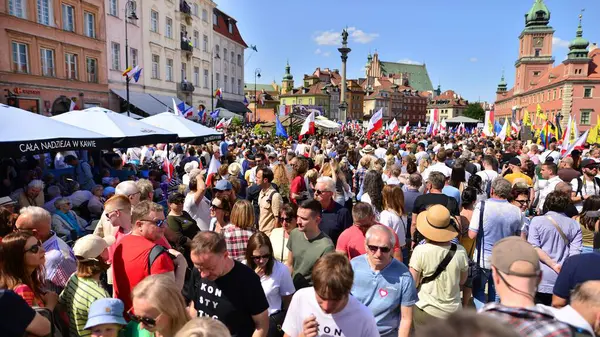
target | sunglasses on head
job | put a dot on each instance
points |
(149, 322)
(35, 248)
(157, 223)
(374, 249)
(259, 257)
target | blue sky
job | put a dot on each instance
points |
(464, 43)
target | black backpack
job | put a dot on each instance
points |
(580, 185)
(488, 185)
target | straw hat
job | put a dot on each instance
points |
(367, 150)
(234, 169)
(434, 224)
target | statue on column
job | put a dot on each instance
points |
(344, 37)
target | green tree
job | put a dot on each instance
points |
(236, 122)
(475, 111)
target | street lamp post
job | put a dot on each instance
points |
(130, 7)
(212, 89)
(256, 74)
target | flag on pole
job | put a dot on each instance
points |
(221, 124)
(246, 103)
(308, 127)
(488, 125)
(126, 71)
(393, 127)
(136, 75)
(578, 143)
(73, 106)
(215, 114)
(201, 112)
(175, 108)
(219, 93)
(503, 132)
(186, 111)
(279, 129)
(514, 128)
(566, 139)
(443, 127)
(375, 123)
(405, 128)
(526, 120)
(419, 125)
(540, 113)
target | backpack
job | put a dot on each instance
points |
(488, 185)
(58, 328)
(580, 185)
(155, 252)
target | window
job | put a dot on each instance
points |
(195, 7)
(537, 52)
(233, 85)
(232, 58)
(183, 72)
(225, 83)
(68, 13)
(204, 15)
(206, 78)
(17, 8)
(92, 69)
(155, 63)
(197, 76)
(71, 66)
(154, 21)
(585, 117)
(116, 56)
(225, 57)
(217, 50)
(205, 43)
(217, 80)
(587, 92)
(134, 57)
(239, 87)
(113, 7)
(169, 27)
(169, 74)
(196, 39)
(47, 57)
(215, 19)
(536, 73)
(90, 25)
(45, 12)
(239, 60)
(230, 27)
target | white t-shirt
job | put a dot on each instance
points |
(437, 167)
(396, 223)
(278, 284)
(199, 212)
(589, 188)
(354, 320)
(486, 175)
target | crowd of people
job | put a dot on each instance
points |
(331, 235)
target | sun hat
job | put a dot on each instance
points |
(234, 169)
(435, 224)
(6, 201)
(512, 249)
(367, 150)
(91, 246)
(105, 311)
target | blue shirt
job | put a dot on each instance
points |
(223, 147)
(384, 292)
(453, 192)
(576, 270)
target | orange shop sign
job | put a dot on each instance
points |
(21, 91)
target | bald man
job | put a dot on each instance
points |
(584, 310)
(575, 270)
(566, 170)
(60, 261)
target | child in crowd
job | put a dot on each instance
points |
(105, 318)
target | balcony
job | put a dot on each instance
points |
(186, 87)
(186, 12)
(186, 47)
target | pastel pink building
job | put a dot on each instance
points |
(571, 88)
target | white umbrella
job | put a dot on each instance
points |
(23, 132)
(126, 131)
(187, 130)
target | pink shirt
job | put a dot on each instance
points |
(352, 242)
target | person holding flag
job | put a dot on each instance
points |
(393, 127)
(308, 127)
(376, 123)
(279, 129)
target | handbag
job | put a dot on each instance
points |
(276, 324)
(476, 269)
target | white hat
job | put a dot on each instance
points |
(5, 201)
(89, 247)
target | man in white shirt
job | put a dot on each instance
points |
(551, 152)
(586, 185)
(439, 166)
(328, 308)
(381, 150)
(421, 152)
(488, 174)
(549, 172)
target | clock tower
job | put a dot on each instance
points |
(535, 47)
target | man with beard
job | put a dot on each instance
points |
(586, 185)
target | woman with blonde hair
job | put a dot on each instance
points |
(159, 309)
(394, 214)
(423, 164)
(204, 327)
(239, 230)
(280, 178)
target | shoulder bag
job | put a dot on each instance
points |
(442, 266)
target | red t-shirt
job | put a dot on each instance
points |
(352, 241)
(298, 186)
(130, 266)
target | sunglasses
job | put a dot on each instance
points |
(319, 192)
(282, 219)
(522, 202)
(149, 322)
(374, 249)
(260, 257)
(157, 223)
(215, 207)
(35, 248)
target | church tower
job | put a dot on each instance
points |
(535, 47)
(287, 84)
(577, 62)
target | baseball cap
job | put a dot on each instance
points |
(515, 161)
(223, 185)
(90, 247)
(584, 163)
(105, 311)
(511, 250)
(5, 201)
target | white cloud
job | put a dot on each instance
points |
(326, 54)
(473, 59)
(334, 38)
(318, 51)
(409, 61)
(560, 43)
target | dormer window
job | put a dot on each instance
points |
(230, 27)
(215, 19)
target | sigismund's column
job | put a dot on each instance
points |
(344, 51)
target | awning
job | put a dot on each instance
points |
(233, 106)
(151, 104)
(188, 131)
(224, 113)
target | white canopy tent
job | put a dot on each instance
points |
(325, 123)
(23, 132)
(187, 131)
(125, 131)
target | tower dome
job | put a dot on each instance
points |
(578, 47)
(538, 15)
(288, 75)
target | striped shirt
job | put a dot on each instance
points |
(78, 296)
